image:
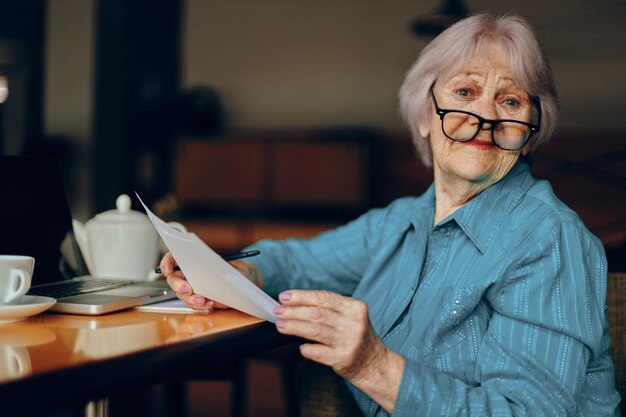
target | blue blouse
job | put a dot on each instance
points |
(498, 310)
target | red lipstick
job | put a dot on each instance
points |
(480, 144)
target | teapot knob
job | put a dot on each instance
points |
(123, 203)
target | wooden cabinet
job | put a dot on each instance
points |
(237, 189)
(274, 175)
(219, 172)
(320, 174)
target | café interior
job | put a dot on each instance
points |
(246, 120)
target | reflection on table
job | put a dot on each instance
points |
(15, 339)
(50, 342)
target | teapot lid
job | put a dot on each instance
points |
(122, 213)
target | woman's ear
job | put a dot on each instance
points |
(424, 129)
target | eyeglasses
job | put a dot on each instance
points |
(507, 134)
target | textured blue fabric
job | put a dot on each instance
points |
(498, 310)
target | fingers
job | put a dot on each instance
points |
(317, 332)
(337, 327)
(196, 302)
(320, 316)
(185, 293)
(323, 299)
(167, 264)
(217, 305)
(318, 353)
(176, 280)
(319, 324)
(305, 313)
(179, 284)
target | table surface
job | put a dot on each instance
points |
(70, 358)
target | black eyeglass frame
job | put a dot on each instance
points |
(493, 123)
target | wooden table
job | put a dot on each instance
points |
(55, 361)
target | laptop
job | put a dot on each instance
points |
(35, 220)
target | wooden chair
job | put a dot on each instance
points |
(323, 393)
(616, 302)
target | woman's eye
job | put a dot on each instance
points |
(463, 92)
(511, 102)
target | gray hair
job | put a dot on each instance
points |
(455, 47)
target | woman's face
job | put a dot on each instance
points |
(484, 87)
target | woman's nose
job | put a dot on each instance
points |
(486, 108)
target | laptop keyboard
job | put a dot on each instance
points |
(81, 285)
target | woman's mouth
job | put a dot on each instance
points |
(480, 144)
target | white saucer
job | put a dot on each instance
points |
(28, 306)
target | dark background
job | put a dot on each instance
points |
(110, 88)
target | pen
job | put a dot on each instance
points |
(230, 257)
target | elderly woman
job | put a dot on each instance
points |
(485, 295)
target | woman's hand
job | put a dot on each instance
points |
(176, 280)
(343, 339)
(249, 271)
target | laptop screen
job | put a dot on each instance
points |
(35, 217)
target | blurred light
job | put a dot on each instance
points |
(4, 88)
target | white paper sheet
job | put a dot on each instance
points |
(210, 275)
(169, 306)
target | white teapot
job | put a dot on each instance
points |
(120, 243)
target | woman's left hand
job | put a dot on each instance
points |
(343, 339)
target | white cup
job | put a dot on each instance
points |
(15, 275)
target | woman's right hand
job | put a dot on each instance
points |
(179, 284)
(177, 281)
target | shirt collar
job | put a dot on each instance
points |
(422, 212)
(482, 217)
